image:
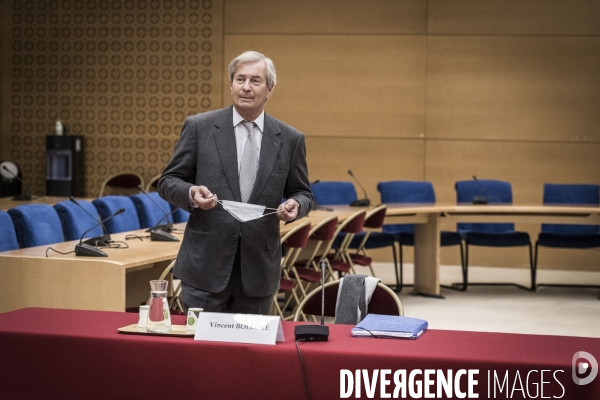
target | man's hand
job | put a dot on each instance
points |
(288, 211)
(203, 197)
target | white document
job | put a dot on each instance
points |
(239, 328)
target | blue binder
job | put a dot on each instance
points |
(390, 326)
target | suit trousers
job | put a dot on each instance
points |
(231, 300)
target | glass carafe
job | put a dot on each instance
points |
(159, 317)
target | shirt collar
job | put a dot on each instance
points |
(260, 121)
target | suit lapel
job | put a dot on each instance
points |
(269, 149)
(224, 136)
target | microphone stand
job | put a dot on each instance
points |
(98, 241)
(365, 202)
(315, 333)
(157, 234)
(480, 199)
(168, 227)
(86, 250)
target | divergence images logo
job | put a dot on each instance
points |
(580, 367)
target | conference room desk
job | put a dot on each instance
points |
(428, 225)
(72, 354)
(6, 203)
(30, 279)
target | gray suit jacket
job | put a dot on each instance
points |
(206, 155)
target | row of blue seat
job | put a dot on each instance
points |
(475, 234)
(40, 224)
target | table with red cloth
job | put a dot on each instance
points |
(72, 354)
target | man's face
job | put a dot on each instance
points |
(249, 90)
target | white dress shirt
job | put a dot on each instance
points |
(241, 135)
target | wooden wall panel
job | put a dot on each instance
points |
(371, 161)
(527, 165)
(345, 86)
(514, 88)
(317, 16)
(514, 17)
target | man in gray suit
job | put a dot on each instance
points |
(240, 154)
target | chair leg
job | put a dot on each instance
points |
(398, 287)
(533, 260)
(400, 267)
(462, 264)
(466, 268)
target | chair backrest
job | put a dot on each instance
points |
(559, 194)
(108, 205)
(180, 215)
(123, 180)
(349, 227)
(297, 237)
(36, 225)
(384, 301)
(375, 217)
(8, 236)
(407, 192)
(153, 183)
(334, 193)
(293, 242)
(75, 221)
(324, 230)
(496, 192)
(151, 209)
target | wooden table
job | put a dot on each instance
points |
(30, 279)
(6, 203)
(428, 220)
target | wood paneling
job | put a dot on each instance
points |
(514, 17)
(514, 88)
(371, 161)
(317, 16)
(527, 165)
(347, 86)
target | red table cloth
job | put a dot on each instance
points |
(70, 354)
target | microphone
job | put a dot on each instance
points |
(480, 199)
(86, 250)
(98, 241)
(362, 202)
(168, 227)
(159, 235)
(315, 333)
(22, 196)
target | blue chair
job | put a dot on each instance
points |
(108, 205)
(564, 235)
(333, 193)
(180, 215)
(489, 234)
(75, 221)
(36, 225)
(151, 209)
(8, 236)
(411, 192)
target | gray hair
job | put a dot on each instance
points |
(251, 57)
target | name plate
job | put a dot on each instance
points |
(239, 328)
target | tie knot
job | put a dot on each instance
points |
(249, 127)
